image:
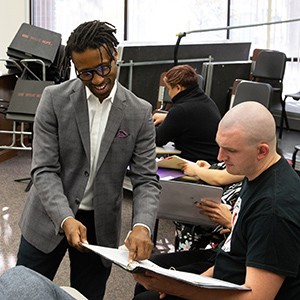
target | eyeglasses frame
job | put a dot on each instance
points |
(95, 70)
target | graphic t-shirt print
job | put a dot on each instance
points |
(235, 213)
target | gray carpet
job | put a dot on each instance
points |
(12, 197)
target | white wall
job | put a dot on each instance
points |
(12, 14)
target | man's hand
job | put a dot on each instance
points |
(75, 233)
(139, 243)
(158, 118)
(156, 282)
(217, 212)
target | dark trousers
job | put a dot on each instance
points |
(193, 261)
(88, 274)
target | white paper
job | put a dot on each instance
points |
(120, 257)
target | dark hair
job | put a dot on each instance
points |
(93, 35)
(183, 75)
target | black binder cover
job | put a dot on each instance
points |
(25, 99)
(35, 42)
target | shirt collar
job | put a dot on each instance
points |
(111, 96)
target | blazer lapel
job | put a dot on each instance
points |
(82, 118)
(112, 126)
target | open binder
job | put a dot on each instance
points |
(120, 258)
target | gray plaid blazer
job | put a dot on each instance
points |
(61, 160)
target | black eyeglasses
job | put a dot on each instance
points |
(102, 70)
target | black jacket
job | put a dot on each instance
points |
(191, 124)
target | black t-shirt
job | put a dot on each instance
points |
(266, 232)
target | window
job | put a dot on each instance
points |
(64, 16)
(159, 21)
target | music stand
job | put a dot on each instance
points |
(21, 109)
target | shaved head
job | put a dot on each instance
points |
(254, 120)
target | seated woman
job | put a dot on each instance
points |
(201, 242)
(192, 121)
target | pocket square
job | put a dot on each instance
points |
(122, 134)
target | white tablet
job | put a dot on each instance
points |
(177, 201)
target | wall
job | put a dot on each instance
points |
(12, 14)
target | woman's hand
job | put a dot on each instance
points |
(158, 118)
(203, 164)
(190, 169)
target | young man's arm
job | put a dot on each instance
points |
(264, 286)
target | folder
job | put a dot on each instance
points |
(171, 162)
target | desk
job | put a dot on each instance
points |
(166, 150)
(165, 174)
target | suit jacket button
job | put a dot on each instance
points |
(77, 201)
(86, 174)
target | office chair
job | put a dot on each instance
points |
(252, 91)
(270, 68)
(254, 57)
(270, 65)
(232, 89)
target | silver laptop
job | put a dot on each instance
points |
(177, 201)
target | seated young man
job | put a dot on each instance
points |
(196, 246)
(262, 251)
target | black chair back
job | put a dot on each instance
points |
(270, 65)
(253, 91)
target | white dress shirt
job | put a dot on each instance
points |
(98, 116)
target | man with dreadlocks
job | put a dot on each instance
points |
(88, 130)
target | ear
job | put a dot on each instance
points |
(115, 55)
(262, 151)
(180, 88)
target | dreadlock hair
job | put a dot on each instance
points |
(93, 35)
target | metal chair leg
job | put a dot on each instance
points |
(283, 118)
